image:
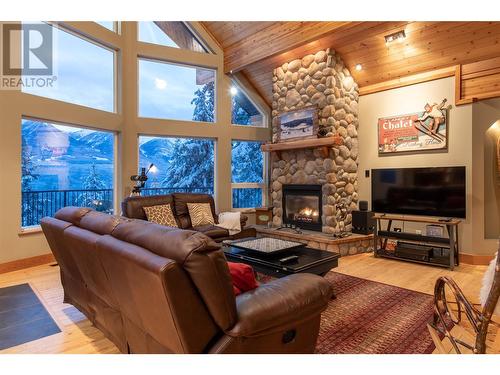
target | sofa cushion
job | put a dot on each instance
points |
(161, 214)
(181, 209)
(133, 206)
(212, 231)
(200, 214)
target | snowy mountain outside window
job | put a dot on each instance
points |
(85, 73)
(173, 34)
(247, 170)
(243, 110)
(176, 92)
(62, 166)
(182, 164)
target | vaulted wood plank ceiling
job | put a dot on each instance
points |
(256, 48)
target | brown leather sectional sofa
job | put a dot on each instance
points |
(155, 289)
(132, 207)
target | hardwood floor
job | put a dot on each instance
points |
(79, 336)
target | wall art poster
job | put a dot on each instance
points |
(298, 124)
(420, 131)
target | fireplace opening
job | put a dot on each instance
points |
(302, 206)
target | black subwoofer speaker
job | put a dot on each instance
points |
(363, 222)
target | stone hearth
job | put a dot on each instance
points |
(324, 81)
(355, 244)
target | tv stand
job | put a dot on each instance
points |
(443, 250)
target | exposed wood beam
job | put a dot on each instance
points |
(276, 39)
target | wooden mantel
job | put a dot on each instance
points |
(322, 143)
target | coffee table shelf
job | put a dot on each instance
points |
(314, 261)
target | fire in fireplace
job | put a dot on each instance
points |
(302, 206)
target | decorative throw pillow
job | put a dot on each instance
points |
(200, 214)
(243, 277)
(161, 214)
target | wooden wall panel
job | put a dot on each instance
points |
(479, 80)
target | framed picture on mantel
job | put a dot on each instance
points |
(414, 132)
(298, 124)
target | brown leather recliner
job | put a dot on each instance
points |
(132, 207)
(156, 289)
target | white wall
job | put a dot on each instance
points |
(408, 100)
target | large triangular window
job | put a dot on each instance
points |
(170, 34)
(243, 109)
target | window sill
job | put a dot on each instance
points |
(30, 230)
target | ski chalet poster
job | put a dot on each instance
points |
(419, 131)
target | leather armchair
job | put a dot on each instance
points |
(272, 311)
(156, 289)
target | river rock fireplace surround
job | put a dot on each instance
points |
(320, 80)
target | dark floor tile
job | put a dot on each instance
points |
(23, 317)
(34, 330)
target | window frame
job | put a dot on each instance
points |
(182, 64)
(193, 32)
(251, 185)
(61, 26)
(116, 172)
(256, 105)
(116, 26)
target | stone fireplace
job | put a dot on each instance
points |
(320, 80)
(302, 206)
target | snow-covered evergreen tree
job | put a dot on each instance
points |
(191, 164)
(93, 181)
(238, 115)
(92, 197)
(247, 166)
(204, 100)
(247, 162)
(28, 176)
(28, 168)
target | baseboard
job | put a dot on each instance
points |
(20, 264)
(477, 260)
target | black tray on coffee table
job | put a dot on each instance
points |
(265, 246)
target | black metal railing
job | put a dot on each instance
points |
(38, 204)
(170, 190)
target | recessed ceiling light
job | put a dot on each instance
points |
(233, 91)
(358, 67)
(399, 36)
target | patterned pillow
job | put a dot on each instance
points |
(161, 214)
(200, 214)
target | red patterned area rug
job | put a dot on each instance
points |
(369, 317)
(374, 318)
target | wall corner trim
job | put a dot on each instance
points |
(475, 259)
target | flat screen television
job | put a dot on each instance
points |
(435, 191)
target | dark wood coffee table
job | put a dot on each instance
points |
(314, 261)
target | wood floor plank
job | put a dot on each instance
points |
(79, 336)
